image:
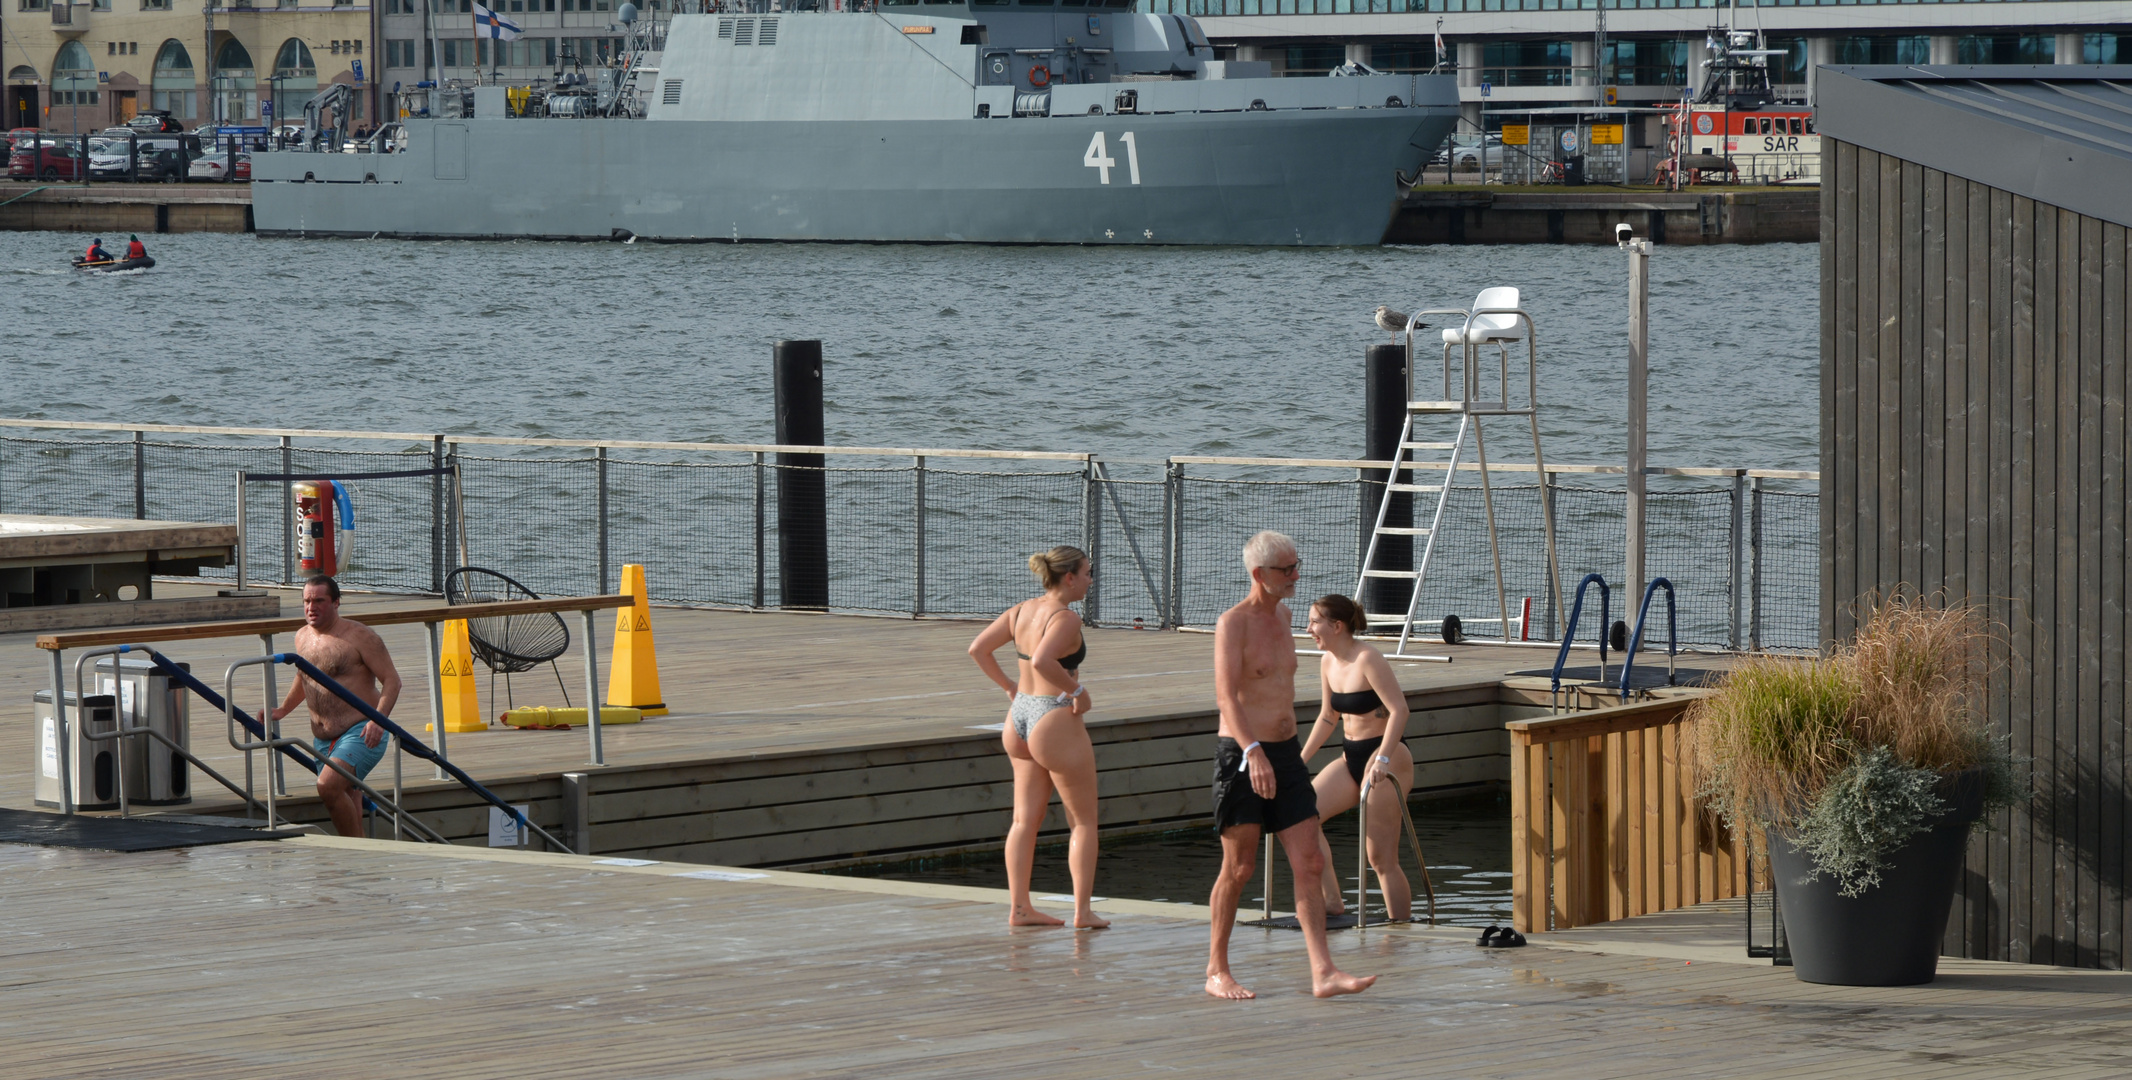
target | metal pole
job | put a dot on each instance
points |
(436, 516)
(760, 567)
(1754, 573)
(433, 636)
(398, 800)
(599, 458)
(62, 732)
(275, 776)
(1554, 590)
(592, 690)
(1639, 402)
(1733, 580)
(1177, 489)
(140, 476)
(288, 517)
(241, 545)
(1092, 541)
(1268, 860)
(918, 544)
(1362, 862)
(1166, 608)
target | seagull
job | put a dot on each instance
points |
(1393, 322)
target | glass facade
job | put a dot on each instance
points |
(2106, 49)
(1645, 62)
(1405, 56)
(2007, 49)
(1314, 59)
(1526, 63)
(1884, 49)
(1343, 7)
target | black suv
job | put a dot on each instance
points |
(168, 157)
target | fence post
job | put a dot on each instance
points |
(1733, 580)
(759, 563)
(1176, 544)
(140, 475)
(918, 542)
(1554, 591)
(599, 469)
(1754, 563)
(436, 519)
(455, 520)
(288, 518)
(1163, 607)
(1092, 540)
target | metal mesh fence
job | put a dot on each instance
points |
(1168, 549)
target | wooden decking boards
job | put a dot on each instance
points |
(359, 958)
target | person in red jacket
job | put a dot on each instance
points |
(134, 248)
(96, 252)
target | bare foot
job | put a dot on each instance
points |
(1336, 984)
(1090, 921)
(1029, 916)
(1224, 985)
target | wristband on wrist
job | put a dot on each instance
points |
(1246, 753)
(1069, 695)
(1384, 759)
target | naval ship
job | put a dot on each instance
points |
(942, 122)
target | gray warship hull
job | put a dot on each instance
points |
(749, 144)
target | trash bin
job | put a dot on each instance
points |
(93, 763)
(156, 775)
(1573, 171)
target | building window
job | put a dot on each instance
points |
(99, 5)
(2007, 49)
(1314, 59)
(2106, 48)
(1884, 50)
(1403, 56)
(155, 5)
(35, 5)
(1643, 62)
(1526, 63)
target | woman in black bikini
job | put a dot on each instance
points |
(1360, 693)
(1045, 738)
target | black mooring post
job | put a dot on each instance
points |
(802, 504)
(1384, 412)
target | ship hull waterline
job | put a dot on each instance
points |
(1291, 177)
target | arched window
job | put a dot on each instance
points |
(232, 58)
(173, 85)
(22, 73)
(73, 77)
(294, 60)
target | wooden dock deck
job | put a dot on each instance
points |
(802, 739)
(330, 958)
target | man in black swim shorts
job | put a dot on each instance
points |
(1260, 782)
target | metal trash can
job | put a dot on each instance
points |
(155, 774)
(93, 763)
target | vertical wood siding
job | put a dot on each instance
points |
(1974, 348)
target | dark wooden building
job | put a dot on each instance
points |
(1974, 309)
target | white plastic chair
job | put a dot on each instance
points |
(1484, 329)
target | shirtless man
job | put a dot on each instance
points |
(354, 656)
(1260, 781)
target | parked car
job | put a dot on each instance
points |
(110, 154)
(1467, 152)
(168, 157)
(8, 141)
(155, 122)
(216, 166)
(46, 158)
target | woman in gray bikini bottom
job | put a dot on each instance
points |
(1045, 738)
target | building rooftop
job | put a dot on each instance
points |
(2060, 134)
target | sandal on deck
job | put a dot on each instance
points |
(1488, 937)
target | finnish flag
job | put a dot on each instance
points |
(489, 24)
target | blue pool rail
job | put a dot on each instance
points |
(1628, 663)
(1569, 632)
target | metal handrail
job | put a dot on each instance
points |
(120, 732)
(1569, 634)
(1628, 663)
(409, 743)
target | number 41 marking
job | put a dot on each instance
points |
(1098, 157)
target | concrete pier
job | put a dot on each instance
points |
(68, 206)
(1477, 215)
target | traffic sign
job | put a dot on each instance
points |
(1485, 88)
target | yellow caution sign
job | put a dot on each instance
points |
(455, 669)
(633, 670)
(1607, 134)
(1517, 134)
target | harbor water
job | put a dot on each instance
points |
(1135, 354)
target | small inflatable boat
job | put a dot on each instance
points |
(106, 266)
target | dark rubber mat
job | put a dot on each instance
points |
(1332, 922)
(1646, 675)
(117, 834)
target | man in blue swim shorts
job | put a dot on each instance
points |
(352, 655)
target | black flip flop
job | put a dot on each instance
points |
(1509, 939)
(1488, 937)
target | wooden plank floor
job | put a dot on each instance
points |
(332, 958)
(740, 684)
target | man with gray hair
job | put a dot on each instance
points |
(1261, 784)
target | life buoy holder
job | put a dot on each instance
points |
(1039, 75)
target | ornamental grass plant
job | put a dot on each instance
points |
(1852, 754)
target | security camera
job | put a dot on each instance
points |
(1622, 233)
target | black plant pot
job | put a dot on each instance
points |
(1889, 935)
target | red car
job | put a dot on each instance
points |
(8, 141)
(46, 158)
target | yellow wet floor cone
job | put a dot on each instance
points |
(633, 670)
(462, 708)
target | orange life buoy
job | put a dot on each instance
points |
(1040, 76)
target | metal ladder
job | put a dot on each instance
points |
(1413, 472)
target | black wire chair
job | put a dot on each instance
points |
(508, 644)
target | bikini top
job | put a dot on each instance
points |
(1358, 703)
(1071, 661)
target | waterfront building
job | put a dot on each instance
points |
(1552, 53)
(80, 66)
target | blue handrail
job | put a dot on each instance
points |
(1628, 663)
(1569, 632)
(185, 678)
